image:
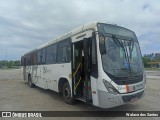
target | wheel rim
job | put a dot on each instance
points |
(67, 93)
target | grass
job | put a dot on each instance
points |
(152, 69)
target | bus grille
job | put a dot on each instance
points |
(130, 98)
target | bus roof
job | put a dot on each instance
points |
(67, 35)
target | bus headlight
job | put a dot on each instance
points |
(110, 87)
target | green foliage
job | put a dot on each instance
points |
(145, 61)
(10, 64)
(153, 57)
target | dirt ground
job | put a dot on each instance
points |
(16, 95)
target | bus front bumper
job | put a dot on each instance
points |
(107, 100)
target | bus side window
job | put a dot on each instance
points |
(69, 53)
(39, 57)
(64, 54)
(35, 58)
(28, 60)
(43, 55)
(25, 62)
(51, 54)
(22, 61)
(64, 51)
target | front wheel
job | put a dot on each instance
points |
(66, 93)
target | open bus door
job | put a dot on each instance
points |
(81, 61)
(87, 68)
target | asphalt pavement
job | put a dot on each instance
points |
(16, 95)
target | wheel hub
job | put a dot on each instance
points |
(67, 93)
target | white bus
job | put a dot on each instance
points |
(97, 63)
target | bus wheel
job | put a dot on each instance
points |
(66, 93)
(30, 82)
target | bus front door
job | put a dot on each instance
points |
(81, 70)
(87, 68)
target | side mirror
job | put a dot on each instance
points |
(102, 45)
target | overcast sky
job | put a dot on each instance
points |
(26, 24)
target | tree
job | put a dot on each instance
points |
(10, 64)
(145, 61)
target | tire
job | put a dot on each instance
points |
(66, 93)
(30, 82)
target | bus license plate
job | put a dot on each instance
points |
(134, 99)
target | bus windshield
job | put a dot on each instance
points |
(122, 58)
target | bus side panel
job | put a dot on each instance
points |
(28, 71)
(52, 76)
(38, 77)
(58, 71)
(94, 91)
(35, 76)
(47, 76)
(24, 73)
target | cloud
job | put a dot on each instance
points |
(26, 24)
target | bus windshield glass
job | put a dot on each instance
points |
(116, 30)
(122, 56)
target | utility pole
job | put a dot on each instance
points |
(6, 59)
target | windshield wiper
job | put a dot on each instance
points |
(132, 45)
(119, 44)
(123, 46)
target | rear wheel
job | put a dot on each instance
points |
(30, 82)
(66, 92)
